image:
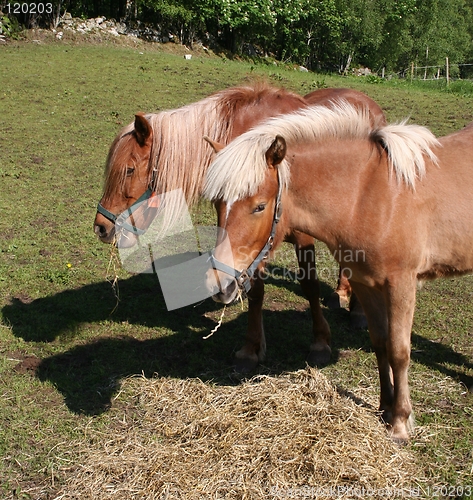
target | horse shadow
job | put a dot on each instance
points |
(89, 374)
(172, 344)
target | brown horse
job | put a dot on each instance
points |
(405, 218)
(162, 152)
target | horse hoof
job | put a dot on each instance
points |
(319, 357)
(400, 441)
(400, 436)
(358, 321)
(244, 366)
(399, 433)
(336, 301)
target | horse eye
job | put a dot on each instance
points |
(259, 208)
(129, 171)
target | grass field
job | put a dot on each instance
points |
(64, 349)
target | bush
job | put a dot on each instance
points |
(10, 27)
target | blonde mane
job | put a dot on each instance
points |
(180, 155)
(239, 169)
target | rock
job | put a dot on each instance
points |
(121, 28)
(135, 29)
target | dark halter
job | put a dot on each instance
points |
(131, 209)
(245, 276)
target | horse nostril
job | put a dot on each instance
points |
(100, 230)
(230, 288)
(228, 292)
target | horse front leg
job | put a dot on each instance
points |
(340, 297)
(389, 315)
(320, 351)
(254, 350)
(374, 306)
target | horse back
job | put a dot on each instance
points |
(251, 108)
(325, 97)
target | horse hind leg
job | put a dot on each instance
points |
(344, 297)
(254, 349)
(320, 351)
(340, 298)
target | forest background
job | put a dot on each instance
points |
(389, 36)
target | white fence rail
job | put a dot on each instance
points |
(436, 72)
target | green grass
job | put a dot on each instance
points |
(64, 348)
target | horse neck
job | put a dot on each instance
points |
(276, 103)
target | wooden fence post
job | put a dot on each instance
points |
(447, 71)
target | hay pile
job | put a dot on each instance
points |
(291, 436)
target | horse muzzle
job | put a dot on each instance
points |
(106, 222)
(228, 295)
(104, 229)
(224, 288)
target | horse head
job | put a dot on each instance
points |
(242, 248)
(128, 177)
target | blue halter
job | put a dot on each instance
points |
(244, 277)
(130, 210)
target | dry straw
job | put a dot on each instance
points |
(112, 269)
(291, 436)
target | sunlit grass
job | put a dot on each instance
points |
(61, 106)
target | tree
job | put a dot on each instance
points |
(308, 31)
(441, 30)
(320, 34)
(361, 33)
(396, 43)
(250, 21)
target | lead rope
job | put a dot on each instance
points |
(219, 324)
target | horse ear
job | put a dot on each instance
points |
(142, 129)
(276, 152)
(217, 146)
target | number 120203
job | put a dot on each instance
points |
(29, 8)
